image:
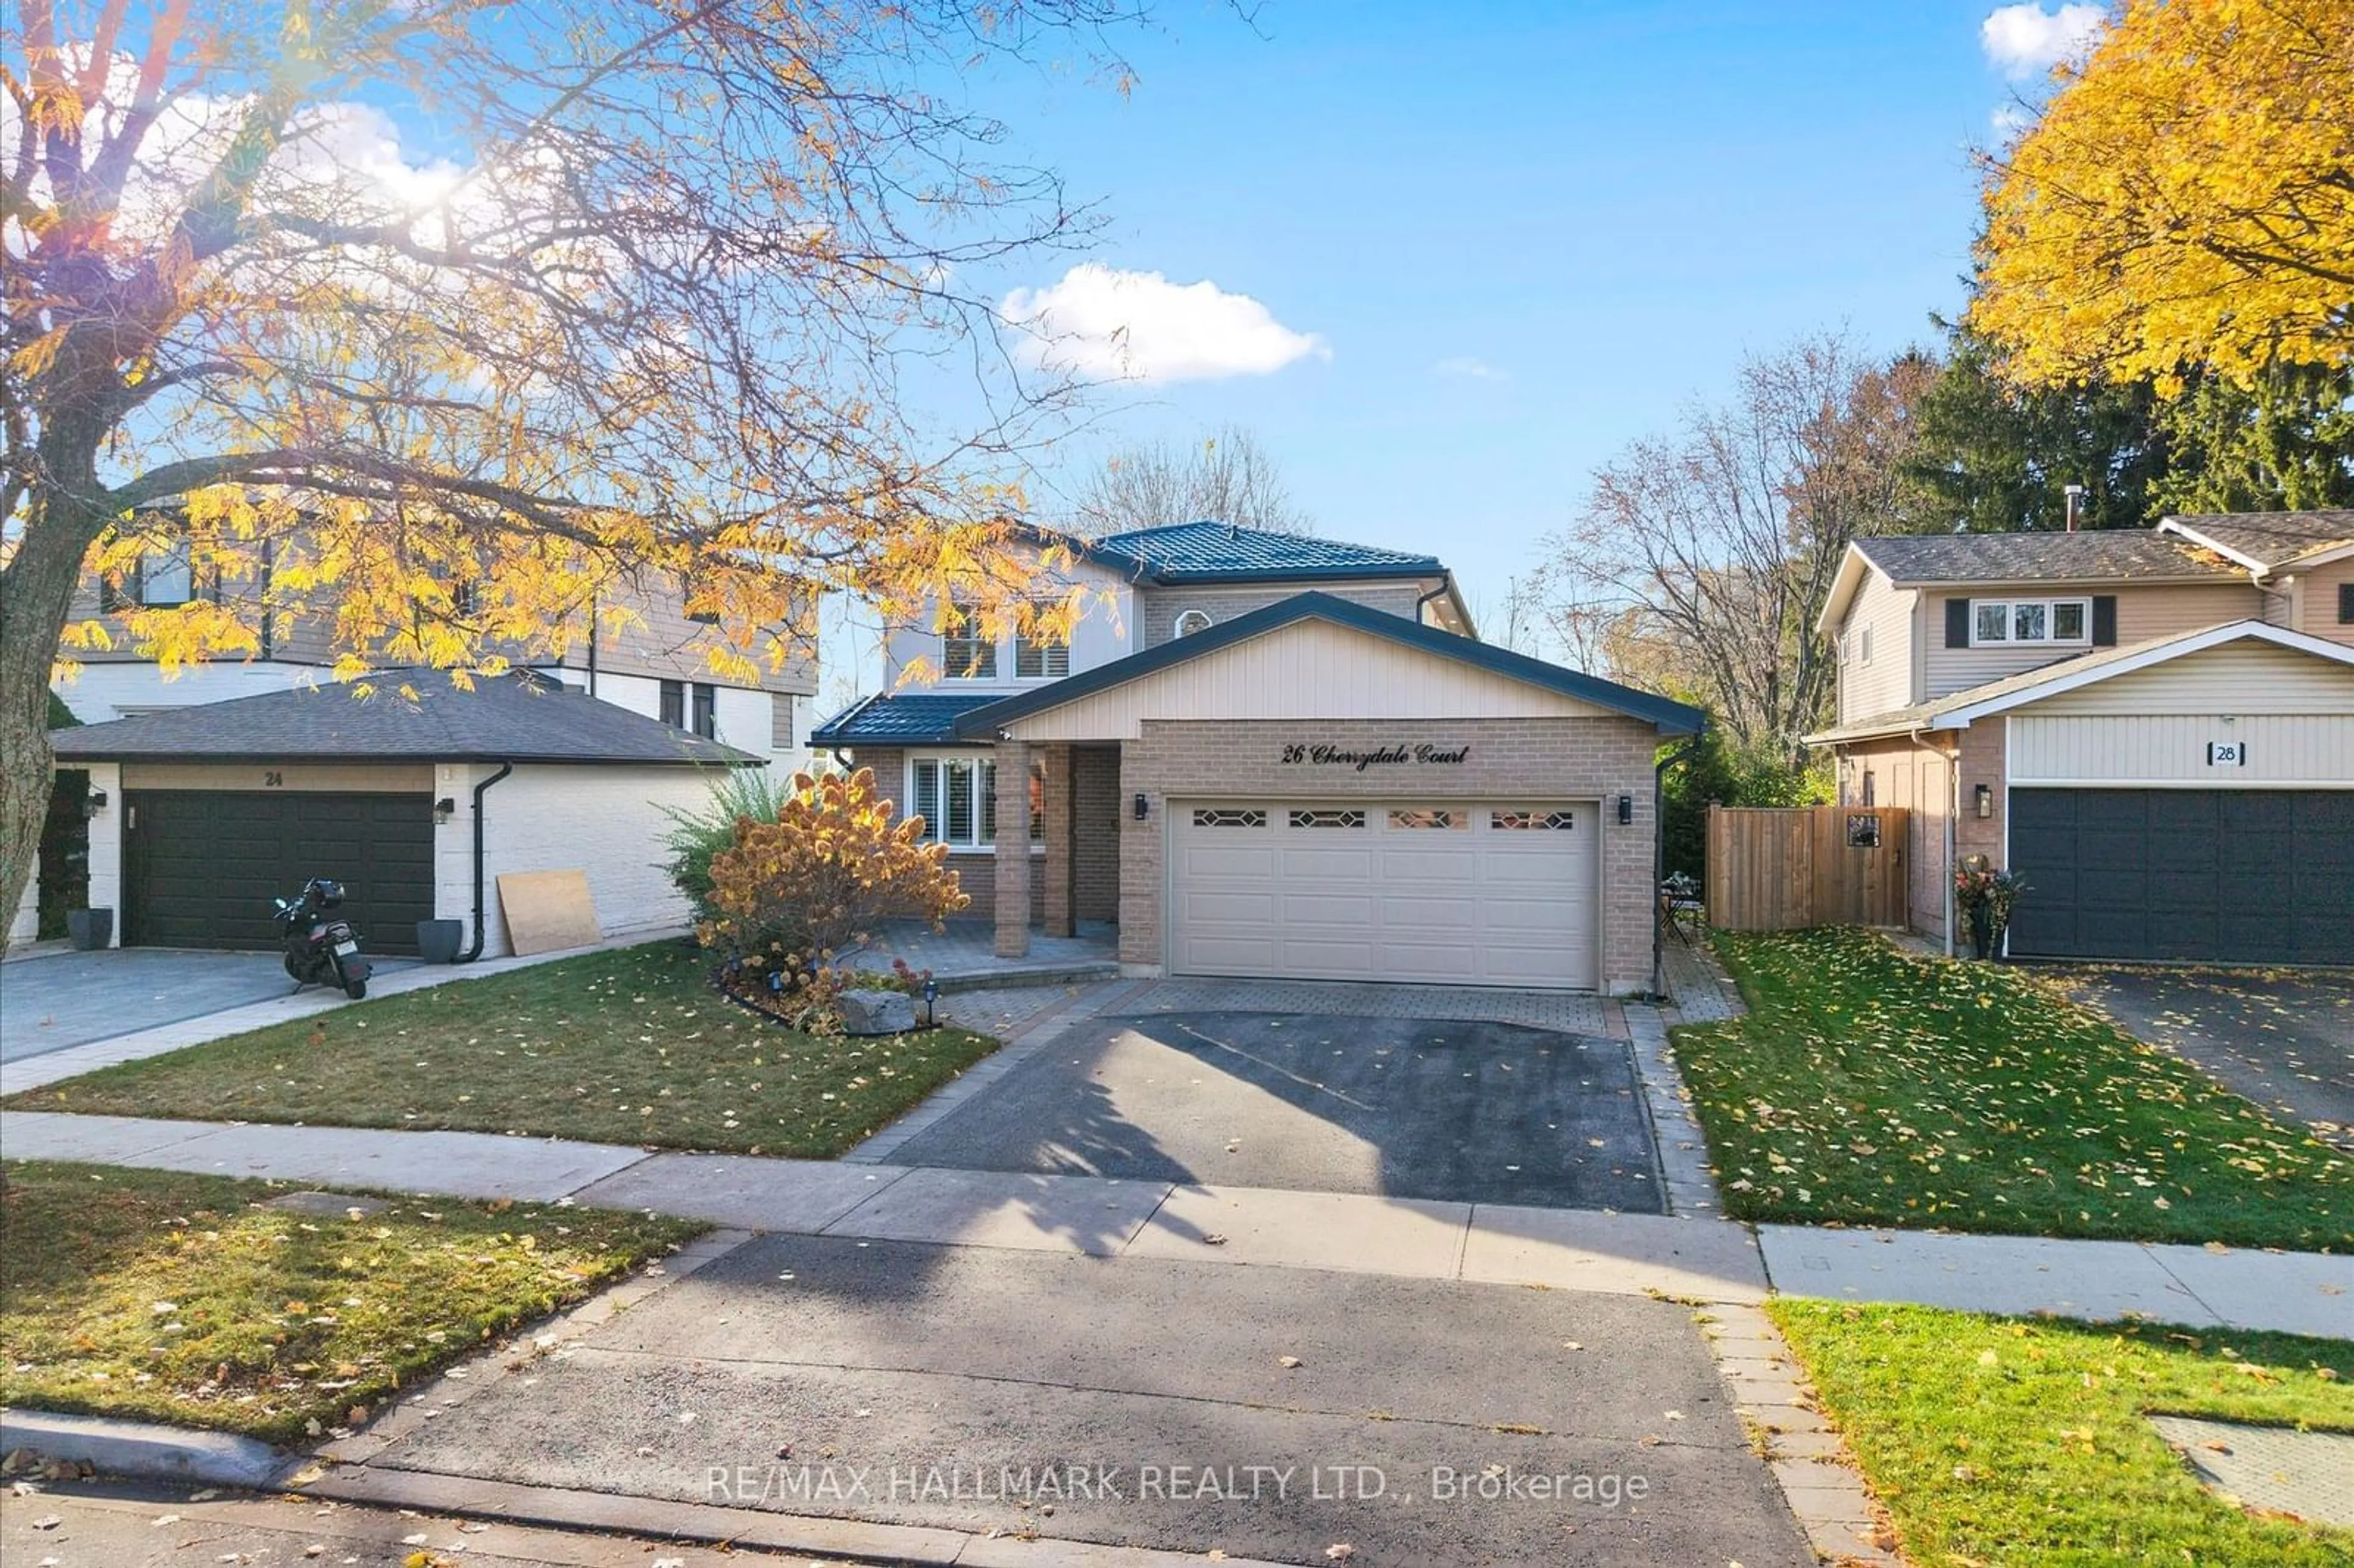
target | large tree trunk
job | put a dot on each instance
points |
(37, 589)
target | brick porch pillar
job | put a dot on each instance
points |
(1012, 848)
(1061, 844)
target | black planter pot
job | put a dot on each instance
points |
(1982, 931)
(438, 941)
(91, 929)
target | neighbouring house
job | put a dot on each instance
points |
(418, 797)
(1263, 754)
(2154, 727)
(655, 663)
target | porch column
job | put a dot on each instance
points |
(1060, 844)
(1012, 848)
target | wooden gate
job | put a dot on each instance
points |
(1777, 868)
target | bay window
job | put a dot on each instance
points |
(956, 794)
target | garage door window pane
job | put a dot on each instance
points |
(1205, 817)
(1328, 818)
(1533, 822)
(1432, 817)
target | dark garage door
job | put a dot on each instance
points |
(2222, 876)
(201, 866)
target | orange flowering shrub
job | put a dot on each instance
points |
(791, 897)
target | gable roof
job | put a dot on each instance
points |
(900, 719)
(1958, 710)
(1210, 552)
(2122, 553)
(2267, 541)
(510, 718)
(1671, 717)
(2101, 555)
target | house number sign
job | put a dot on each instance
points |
(2227, 753)
(1385, 757)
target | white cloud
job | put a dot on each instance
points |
(2028, 40)
(1470, 366)
(1104, 322)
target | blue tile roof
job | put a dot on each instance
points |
(1216, 551)
(903, 720)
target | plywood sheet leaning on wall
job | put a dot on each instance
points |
(547, 910)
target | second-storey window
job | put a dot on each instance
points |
(162, 579)
(1038, 659)
(967, 653)
(1998, 621)
(956, 798)
(702, 717)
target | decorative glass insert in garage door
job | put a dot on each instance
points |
(1525, 821)
(1213, 817)
(1328, 818)
(1438, 817)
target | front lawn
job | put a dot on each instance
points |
(1995, 1440)
(630, 1046)
(1868, 1085)
(158, 1295)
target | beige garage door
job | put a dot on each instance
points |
(1501, 894)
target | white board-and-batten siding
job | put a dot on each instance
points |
(1307, 670)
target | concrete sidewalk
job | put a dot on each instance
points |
(1698, 1259)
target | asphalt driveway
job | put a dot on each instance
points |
(57, 1000)
(1403, 1108)
(2283, 1039)
(1266, 1412)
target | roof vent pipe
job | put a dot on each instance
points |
(2075, 495)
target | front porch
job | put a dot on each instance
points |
(1073, 792)
(963, 956)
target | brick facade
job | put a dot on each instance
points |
(1097, 809)
(1537, 759)
(977, 873)
(1903, 772)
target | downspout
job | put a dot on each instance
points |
(592, 692)
(1660, 857)
(471, 953)
(1953, 809)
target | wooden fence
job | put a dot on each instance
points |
(1775, 869)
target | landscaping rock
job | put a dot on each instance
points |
(877, 1013)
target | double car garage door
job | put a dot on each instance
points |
(2213, 875)
(202, 867)
(1504, 893)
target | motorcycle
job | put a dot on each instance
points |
(320, 948)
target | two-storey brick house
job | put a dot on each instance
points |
(1271, 755)
(2154, 727)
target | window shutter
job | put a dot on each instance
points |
(2104, 620)
(2346, 604)
(1957, 623)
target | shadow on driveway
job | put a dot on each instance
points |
(2283, 1038)
(1468, 1112)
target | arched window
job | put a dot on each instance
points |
(1193, 620)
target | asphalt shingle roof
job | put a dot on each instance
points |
(900, 720)
(512, 718)
(2275, 538)
(1216, 551)
(2123, 554)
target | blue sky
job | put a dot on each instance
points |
(1520, 235)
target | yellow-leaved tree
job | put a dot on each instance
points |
(431, 318)
(2185, 200)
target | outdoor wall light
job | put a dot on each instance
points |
(1984, 798)
(1625, 810)
(1140, 808)
(96, 801)
(444, 809)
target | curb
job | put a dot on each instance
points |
(147, 1450)
(815, 1535)
(1016, 980)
